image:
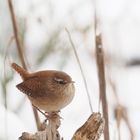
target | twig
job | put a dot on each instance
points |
(102, 83)
(84, 79)
(19, 48)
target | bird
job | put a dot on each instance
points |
(48, 90)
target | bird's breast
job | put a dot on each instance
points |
(55, 101)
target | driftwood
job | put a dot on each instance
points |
(90, 130)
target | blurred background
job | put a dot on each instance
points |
(46, 45)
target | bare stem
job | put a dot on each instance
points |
(80, 66)
(15, 29)
(19, 48)
(102, 83)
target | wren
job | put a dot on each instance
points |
(49, 90)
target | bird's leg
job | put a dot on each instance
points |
(40, 111)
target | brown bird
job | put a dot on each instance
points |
(48, 90)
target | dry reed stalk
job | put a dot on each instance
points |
(102, 83)
(120, 112)
(80, 66)
(19, 48)
(94, 126)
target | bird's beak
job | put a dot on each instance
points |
(70, 82)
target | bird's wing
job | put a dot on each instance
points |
(32, 87)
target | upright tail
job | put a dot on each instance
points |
(23, 73)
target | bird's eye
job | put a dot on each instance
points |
(60, 81)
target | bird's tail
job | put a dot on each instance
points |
(23, 73)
